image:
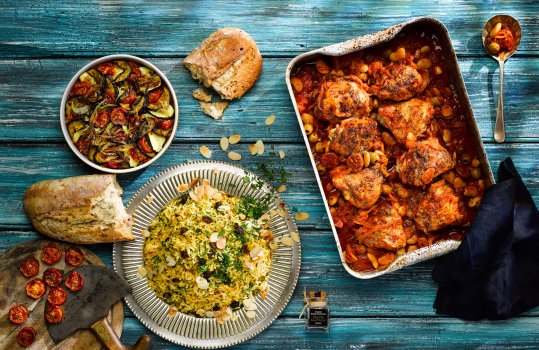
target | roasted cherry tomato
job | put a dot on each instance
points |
(52, 277)
(115, 165)
(102, 119)
(80, 88)
(35, 288)
(154, 95)
(18, 314)
(145, 145)
(117, 116)
(51, 254)
(135, 70)
(57, 296)
(53, 313)
(29, 267)
(130, 97)
(83, 144)
(70, 116)
(166, 124)
(137, 155)
(26, 336)
(109, 97)
(74, 256)
(74, 281)
(106, 68)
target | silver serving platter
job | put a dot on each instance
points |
(188, 330)
(363, 42)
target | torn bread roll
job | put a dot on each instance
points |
(82, 209)
(228, 61)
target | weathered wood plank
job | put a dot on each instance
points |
(166, 28)
(29, 163)
(393, 333)
(31, 101)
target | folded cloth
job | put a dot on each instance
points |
(495, 271)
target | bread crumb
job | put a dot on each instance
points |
(213, 109)
(202, 95)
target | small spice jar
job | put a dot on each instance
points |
(317, 311)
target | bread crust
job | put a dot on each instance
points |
(228, 61)
(81, 209)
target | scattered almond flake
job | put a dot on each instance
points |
(247, 302)
(223, 208)
(233, 139)
(287, 241)
(242, 216)
(193, 196)
(282, 154)
(202, 283)
(224, 143)
(265, 233)
(150, 198)
(234, 156)
(213, 109)
(277, 240)
(227, 317)
(265, 293)
(229, 311)
(142, 271)
(255, 252)
(214, 237)
(260, 147)
(216, 171)
(270, 120)
(234, 317)
(205, 151)
(202, 95)
(250, 314)
(206, 182)
(218, 196)
(183, 188)
(194, 182)
(295, 236)
(145, 233)
(199, 191)
(221, 243)
(249, 265)
(273, 246)
(210, 191)
(210, 314)
(302, 216)
(172, 312)
(170, 261)
(251, 307)
(281, 188)
(282, 213)
(253, 149)
(263, 285)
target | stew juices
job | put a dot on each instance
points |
(399, 167)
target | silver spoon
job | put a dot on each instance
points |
(500, 55)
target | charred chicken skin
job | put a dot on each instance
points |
(382, 229)
(440, 207)
(407, 120)
(423, 162)
(397, 82)
(341, 98)
(354, 135)
(361, 189)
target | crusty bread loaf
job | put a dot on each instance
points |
(82, 209)
(228, 61)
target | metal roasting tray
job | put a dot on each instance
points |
(427, 24)
(185, 329)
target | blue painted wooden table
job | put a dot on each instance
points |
(43, 43)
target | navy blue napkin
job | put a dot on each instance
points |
(494, 273)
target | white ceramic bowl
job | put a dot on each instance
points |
(94, 64)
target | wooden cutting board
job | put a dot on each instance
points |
(12, 292)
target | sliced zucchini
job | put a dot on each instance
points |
(92, 153)
(163, 101)
(75, 126)
(98, 77)
(111, 89)
(157, 141)
(117, 72)
(79, 133)
(125, 73)
(78, 105)
(137, 105)
(146, 71)
(87, 78)
(149, 83)
(165, 113)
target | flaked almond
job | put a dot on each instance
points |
(170, 261)
(199, 191)
(251, 307)
(273, 246)
(255, 252)
(224, 143)
(253, 149)
(234, 156)
(150, 198)
(205, 151)
(221, 243)
(202, 283)
(281, 188)
(214, 237)
(233, 139)
(265, 233)
(202, 95)
(229, 311)
(287, 241)
(247, 302)
(250, 314)
(142, 271)
(210, 314)
(302, 216)
(282, 154)
(295, 236)
(249, 265)
(183, 188)
(172, 312)
(270, 120)
(260, 147)
(193, 196)
(206, 182)
(223, 208)
(234, 317)
(210, 191)
(218, 196)
(145, 233)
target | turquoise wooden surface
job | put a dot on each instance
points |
(42, 44)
